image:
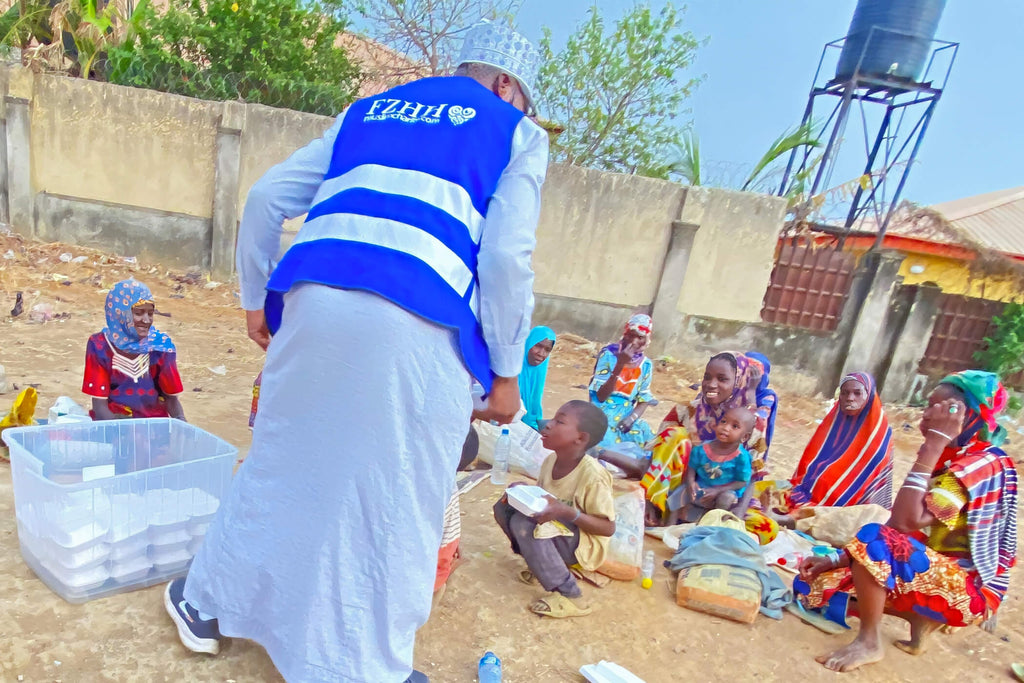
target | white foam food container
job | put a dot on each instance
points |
(131, 570)
(104, 507)
(529, 500)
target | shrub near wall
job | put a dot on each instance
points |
(276, 52)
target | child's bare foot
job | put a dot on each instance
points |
(853, 656)
(919, 630)
(653, 516)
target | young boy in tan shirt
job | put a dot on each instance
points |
(579, 518)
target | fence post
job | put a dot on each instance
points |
(664, 309)
(224, 221)
(17, 139)
(911, 345)
(862, 353)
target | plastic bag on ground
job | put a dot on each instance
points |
(626, 546)
(65, 409)
(527, 451)
(838, 525)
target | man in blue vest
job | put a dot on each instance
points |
(409, 279)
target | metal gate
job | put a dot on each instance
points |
(960, 329)
(809, 287)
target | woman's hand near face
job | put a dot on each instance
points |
(943, 421)
(625, 354)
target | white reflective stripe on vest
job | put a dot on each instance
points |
(474, 301)
(445, 195)
(390, 234)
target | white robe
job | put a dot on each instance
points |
(325, 550)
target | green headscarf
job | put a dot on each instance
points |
(986, 397)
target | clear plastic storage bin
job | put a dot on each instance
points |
(106, 507)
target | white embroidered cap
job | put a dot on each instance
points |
(501, 47)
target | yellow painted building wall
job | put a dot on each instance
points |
(954, 276)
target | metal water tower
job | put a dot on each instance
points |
(889, 75)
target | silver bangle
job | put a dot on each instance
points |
(576, 517)
(942, 434)
(917, 478)
(914, 487)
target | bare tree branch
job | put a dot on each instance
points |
(427, 33)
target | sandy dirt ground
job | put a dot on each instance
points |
(128, 637)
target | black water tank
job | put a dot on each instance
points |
(895, 54)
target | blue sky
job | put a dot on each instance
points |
(762, 57)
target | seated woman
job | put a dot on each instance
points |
(130, 367)
(849, 459)
(945, 553)
(534, 374)
(730, 381)
(621, 386)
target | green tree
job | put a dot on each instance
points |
(1004, 349)
(619, 94)
(276, 52)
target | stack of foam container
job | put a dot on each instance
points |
(105, 507)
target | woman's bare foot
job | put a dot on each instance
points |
(853, 656)
(919, 630)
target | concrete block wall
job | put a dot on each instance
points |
(151, 174)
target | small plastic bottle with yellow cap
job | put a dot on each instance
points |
(647, 570)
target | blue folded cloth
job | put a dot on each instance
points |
(720, 545)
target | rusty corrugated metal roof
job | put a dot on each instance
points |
(994, 219)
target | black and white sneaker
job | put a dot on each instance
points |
(198, 635)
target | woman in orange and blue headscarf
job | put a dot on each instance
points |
(945, 554)
(130, 366)
(621, 386)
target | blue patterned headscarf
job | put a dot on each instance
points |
(120, 329)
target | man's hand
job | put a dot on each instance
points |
(502, 403)
(256, 326)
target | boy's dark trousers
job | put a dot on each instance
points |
(548, 558)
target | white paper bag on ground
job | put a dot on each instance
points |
(527, 451)
(838, 525)
(608, 672)
(626, 546)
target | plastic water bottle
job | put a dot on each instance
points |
(490, 669)
(647, 570)
(502, 453)
(791, 560)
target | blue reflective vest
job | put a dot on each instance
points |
(401, 208)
